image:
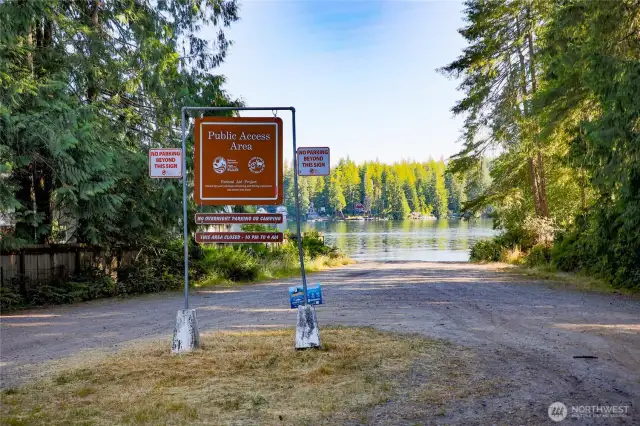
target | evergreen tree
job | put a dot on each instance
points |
(86, 88)
(501, 73)
(398, 206)
(337, 201)
(368, 195)
(411, 196)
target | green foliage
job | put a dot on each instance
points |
(486, 251)
(593, 62)
(86, 88)
(88, 284)
(9, 298)
(312, 244)
(234, 264)
(555, 86)
(258, 228)
(249, 262)
(337, 202)
(398, 207)
(539, 255)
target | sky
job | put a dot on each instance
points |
(361, 74)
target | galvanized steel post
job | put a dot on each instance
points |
(295, 184)
(184, 212)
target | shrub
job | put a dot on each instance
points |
(539, 255)
(513, 255)
(158, 267)
(87, 284)
(573, 252)
(486, 251)
(234, 264)
(312, 244)
(94, 284)
(9, 299)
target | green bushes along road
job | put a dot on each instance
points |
(161, 268)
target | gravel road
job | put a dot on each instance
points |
(524, 334)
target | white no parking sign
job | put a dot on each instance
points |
(313, 161)
(165, 163)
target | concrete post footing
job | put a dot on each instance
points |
(186, 336)
(307, 331)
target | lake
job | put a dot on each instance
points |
(428, 240)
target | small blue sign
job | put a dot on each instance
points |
(296, 295)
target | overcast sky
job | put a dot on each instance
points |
(361, 74)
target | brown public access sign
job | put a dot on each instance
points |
(238, 160)
(214, 218)
(238, 237)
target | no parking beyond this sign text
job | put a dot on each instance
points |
(165, 163)
(313, 161)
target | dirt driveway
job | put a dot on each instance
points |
(540, 344)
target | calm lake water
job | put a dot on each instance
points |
(429, 240)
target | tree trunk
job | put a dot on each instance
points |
(48, 32)
(92, 94)
(542, 187)
(92, 90)
(583, 196)
(535, 161)
(542, 184)
(22, 177)
(42, 175)
(531, 161)
(30, 48)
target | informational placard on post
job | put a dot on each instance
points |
(238, 160)
(296, 295)
(165, 163)
(238, 237)
(227, 218)
(313, 161)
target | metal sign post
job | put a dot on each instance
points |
(295, 185)
(186, 335)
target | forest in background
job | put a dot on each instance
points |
(392, 191)
(555, 87)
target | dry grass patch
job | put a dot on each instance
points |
(244, 378)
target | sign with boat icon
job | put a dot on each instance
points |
(296, 295)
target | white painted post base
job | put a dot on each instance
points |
(186, 336)
(307, 331)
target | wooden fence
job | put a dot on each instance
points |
(44, 262)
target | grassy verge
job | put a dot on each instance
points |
(271, 270)
(544, 262)
(250, 263)
(251, 377)
(575, 281)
